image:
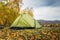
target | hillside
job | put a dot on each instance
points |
(48, 22)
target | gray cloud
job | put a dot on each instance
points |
(47, 13)
(40, 3)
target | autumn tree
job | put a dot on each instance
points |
(9, 11)
(28, 10)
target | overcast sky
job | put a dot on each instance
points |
(44, 9)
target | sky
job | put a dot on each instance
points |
(44, 9)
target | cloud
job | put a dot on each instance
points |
(40, 3)
(47, 13)
(56, 4)
(44, 9)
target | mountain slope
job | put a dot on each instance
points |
(48, 22)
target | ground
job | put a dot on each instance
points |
(44, 33)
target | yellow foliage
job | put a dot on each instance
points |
(29, 11)
(9, 12)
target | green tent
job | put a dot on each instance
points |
(25, 20)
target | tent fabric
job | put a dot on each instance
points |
(25, 20)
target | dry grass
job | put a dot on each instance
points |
(45, 33)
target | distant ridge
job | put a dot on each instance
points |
(48, 21)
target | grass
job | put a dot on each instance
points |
(44, 33)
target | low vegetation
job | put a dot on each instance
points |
(44, 33)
